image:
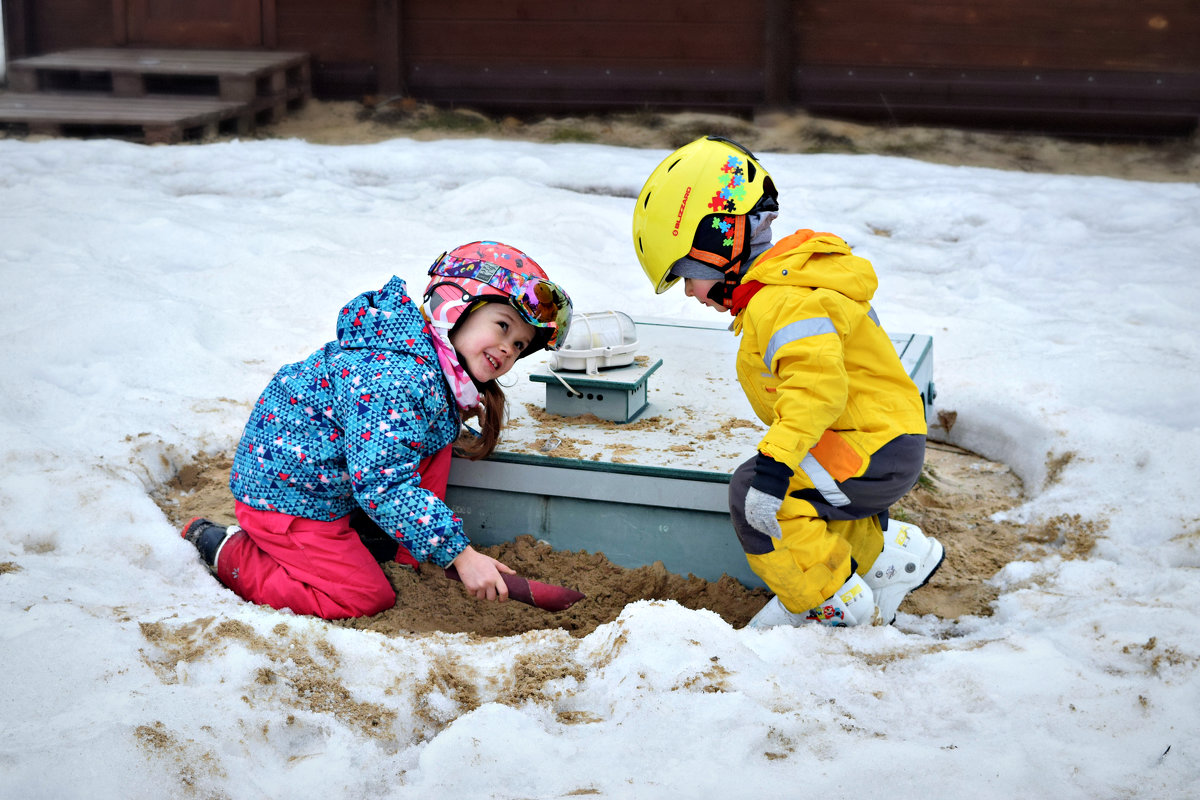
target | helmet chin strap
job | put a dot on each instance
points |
(758, 240)
(722, 291)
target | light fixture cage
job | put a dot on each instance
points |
(597, 340)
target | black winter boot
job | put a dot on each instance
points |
(381, 546)
(208, 537)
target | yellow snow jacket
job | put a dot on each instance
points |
(814, 361)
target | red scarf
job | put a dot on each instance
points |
(742, 294)
(747, 289)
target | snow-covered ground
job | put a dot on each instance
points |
(149, 293)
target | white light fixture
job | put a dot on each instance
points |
(597, 340)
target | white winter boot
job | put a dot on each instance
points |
(853, 604)
(908, 561)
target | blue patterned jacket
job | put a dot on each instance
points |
(348, 426)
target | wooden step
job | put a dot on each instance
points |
(153, 120)
(268, 80)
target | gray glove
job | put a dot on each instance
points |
(762, 512)
(765, 497)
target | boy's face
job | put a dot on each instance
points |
(699, 289)
(490, 339)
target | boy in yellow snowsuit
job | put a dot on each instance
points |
(846, 425)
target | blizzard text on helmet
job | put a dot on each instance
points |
(682, 205)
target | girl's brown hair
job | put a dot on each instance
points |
(490, 413)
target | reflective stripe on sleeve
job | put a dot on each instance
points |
(794, 331)
(823, 482)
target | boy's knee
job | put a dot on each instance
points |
(865, 537)
(799, 580)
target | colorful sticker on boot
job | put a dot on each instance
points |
(830, 615)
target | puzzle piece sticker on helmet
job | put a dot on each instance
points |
(670, 223)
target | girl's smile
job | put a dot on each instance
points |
(490, 340)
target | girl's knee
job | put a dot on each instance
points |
(370, 597)
(378, 603)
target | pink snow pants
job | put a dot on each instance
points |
(312, 566)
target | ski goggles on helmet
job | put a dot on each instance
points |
(540, 302)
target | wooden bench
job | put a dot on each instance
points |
(154, 95)
(268, 81)
(154, 120)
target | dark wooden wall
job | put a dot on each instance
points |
(1040, 34)
(1067, 65)
(1072, 65)
(35, 27)
(343, 37)
(621, 52)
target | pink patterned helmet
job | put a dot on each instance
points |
(495, 272)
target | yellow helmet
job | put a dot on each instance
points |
(695, 204)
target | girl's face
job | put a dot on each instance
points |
(490, 339)
(699, 289)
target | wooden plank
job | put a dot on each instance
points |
(155, 61)
(1070, 34)
(120, 22)
(1131, 91)
(197, 23)
(342, 32)
(1062, 101)
(270, 31)
(622, 12)
(21, 79)
(17, 27)
(242, 88)
(1108, 40)
(389, 65)
(158, 120)
(624, 79)
(61, 24)
(1032, 15)
(516, 87)
(302, 78)
(705, 44)
(99, 109)
(237, 75)
(128, 84)
(778, 52)
(1030, 55)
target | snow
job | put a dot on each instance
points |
(149, 293)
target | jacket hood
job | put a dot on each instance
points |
(386, 319)
(818, 261)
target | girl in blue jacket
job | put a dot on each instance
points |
(357, 438)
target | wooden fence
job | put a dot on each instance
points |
(1098, 66)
